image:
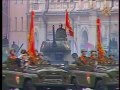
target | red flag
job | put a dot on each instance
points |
(101, 52)
(68, 24)
(68, 27)
(31, 38)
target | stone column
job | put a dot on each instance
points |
(72, 40)
(42, 32)
(92, 31)
(37, 34)
(76, 48)
(78, 35)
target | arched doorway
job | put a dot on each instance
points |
(84, 41)
(84, 37)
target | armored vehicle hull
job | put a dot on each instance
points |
(35, 76)
(98, 78)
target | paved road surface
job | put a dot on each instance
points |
(48, 89)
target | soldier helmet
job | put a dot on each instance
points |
(93, 51)
(36, 50)
(41, 54)
(83, 50)
(12, 49)
(23, 51)
(111, 55)
(74, 55)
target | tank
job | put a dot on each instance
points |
(58, 50)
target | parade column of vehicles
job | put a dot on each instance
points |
(88, 72)
(92, 75)
(23, 71)
(34, 76)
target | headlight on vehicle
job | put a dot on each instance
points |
(17, 78)
(88, 77)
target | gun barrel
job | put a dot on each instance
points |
(54, 41)
(20, 48)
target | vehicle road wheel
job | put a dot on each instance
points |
(100, 85)
(74, 82)
(4, 84)
(28, 85)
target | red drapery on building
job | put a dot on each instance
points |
(31, 38)
(101, 52)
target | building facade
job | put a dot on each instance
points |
(52, 12)
(83, 19)
(18, 23)
(5, 20)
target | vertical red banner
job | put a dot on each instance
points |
(101, 52)
(68, 25)
(31, 37)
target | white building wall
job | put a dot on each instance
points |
(41, 34)
(18, 10)
(19, 38)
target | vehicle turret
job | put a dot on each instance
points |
(58, 50)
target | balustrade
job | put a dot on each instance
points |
(62, 6)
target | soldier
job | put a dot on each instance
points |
(15, 46)
(83, 57)
(23, 52)
(111, 59)
(93, 57)
(104, 59)
(61, 33)
(24, 57)
(37, 57)
(43, 59)
(12, 57)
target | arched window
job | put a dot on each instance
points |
(84, 42)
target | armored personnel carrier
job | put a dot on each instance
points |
(34, 77)
(58, 51)
(97, 77)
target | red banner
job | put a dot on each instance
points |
(101, 52)
(31, 38)
(68, 25)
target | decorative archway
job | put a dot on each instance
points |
(85, 44)
(84, 37)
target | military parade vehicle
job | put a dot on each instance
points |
(60, 72)
(34, 76)
(58, 51)
(97, 77)
(53, 73)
